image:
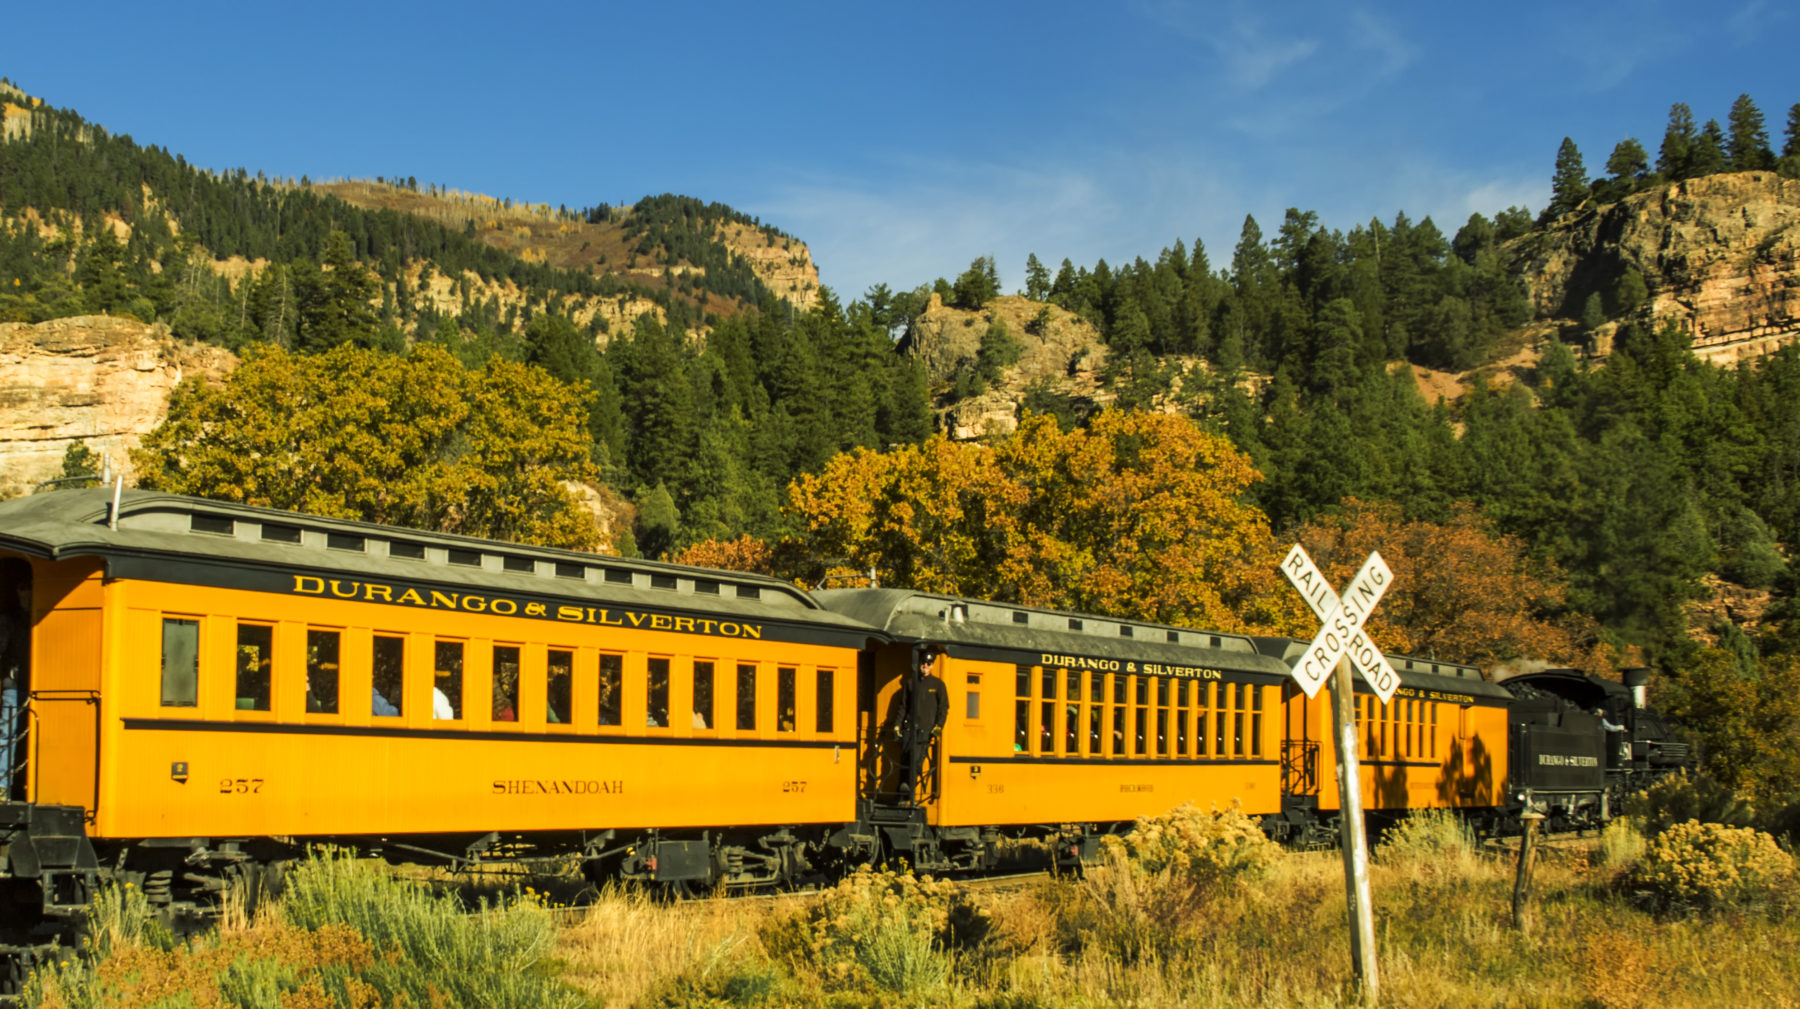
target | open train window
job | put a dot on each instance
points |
(1184, 699)
(1047, 713)
(447, 684)
(703, 694)
(559, 673)
(746, 697)
(322, 671)
(612, 689)
(255, 643)
(1256, 702)
(506, 683)
(823, 700)
(180, 662)
(1237, 722)
(785, 689)
(1203, 708)
(1120, 697)
(387, 698)
(656, 694)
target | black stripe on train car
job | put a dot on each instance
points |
(282, 581)
(1022, 657)
(472, 735)
(1366, 762)
(1184, 762)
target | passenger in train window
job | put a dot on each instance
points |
(560, 670)
(447, 690)
(656, 708)
(612, 676)
(15, 660)
(389, 661)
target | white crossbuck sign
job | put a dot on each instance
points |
(1343, 618)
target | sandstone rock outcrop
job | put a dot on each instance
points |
(1066, 352)
(1720, 255)
(96, 379)
(784, 265)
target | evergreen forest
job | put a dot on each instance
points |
(1637, 484)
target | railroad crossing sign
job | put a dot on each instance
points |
(1342, 618)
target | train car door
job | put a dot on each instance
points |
(1300, 761)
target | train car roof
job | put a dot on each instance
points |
(978, 628)
(1415, 671)
(157, 534)
(1574, 685)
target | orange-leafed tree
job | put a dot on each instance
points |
(746, 553)
(1462, 591)
(1138, 515)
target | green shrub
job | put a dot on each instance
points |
(1209, 848)
(729, 975)
(885, 930)
(1622, 845)
(1709, 866)
(1681, 797)
(1429, 837)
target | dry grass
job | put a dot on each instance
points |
(1444, 939)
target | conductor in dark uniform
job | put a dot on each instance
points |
(925, 704)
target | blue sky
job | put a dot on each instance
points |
(901, 141)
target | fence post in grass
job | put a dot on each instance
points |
(1521, 903)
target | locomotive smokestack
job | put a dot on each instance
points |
(1635, 678)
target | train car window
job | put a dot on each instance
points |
(1256, 702)
(1162, 716)
(1072, 712)
(322, 671)
(567, 570)
(467, 558)
(388, 664)
(1022, 709)
(1203, 709)
(1221, 719)
(343, 541)
(523, 564)
(1237, 721)
(447, 681)
(211, 524)
(279, 533)
(618, 576)
(785, 691)
(559, 672)
(1184, 699)
(749, 592)
(1434, 748)
(706, 586)
(1096, 714)
(506, 683)
(973, 695)
(746, 697)
(612, 689)
(255, 642)
(656, 694)
(661, 581)
(1119, 696)
(823, 703)
(1047, 711)
(406, 551)
(180, 662)
(703, 694)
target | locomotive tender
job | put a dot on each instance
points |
(213, 687)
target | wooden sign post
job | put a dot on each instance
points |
(1341, 642)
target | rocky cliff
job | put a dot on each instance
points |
(96, 379)
(1720, 255)
(1065, 351)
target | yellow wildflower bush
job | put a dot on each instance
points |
(882, 929)
(1210, 846)
(1710, 865)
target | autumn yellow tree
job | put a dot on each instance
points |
(416, 441)
(1139, 515)
(1461, 591)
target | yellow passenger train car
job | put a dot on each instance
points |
(207, 680)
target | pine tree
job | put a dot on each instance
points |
(1569, 186)
(1674, 160)
(1629, 161)
(1747, 147)
(1037, 279)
